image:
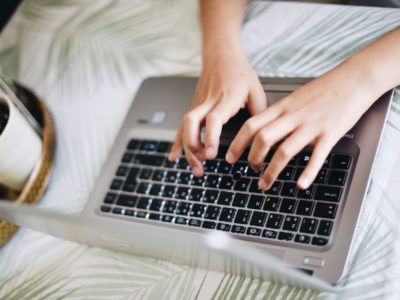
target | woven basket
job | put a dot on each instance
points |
(37, 182)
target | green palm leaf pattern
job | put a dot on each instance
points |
(83, 54)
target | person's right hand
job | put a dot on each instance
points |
(227, 83)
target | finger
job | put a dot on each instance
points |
(269, 136)
(176, 149)
(221, 113)
(318, 156)
(257, 100)
(192, 127)
(194, 162)
(292, 145)
(248, 131)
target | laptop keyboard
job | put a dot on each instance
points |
(227, 198)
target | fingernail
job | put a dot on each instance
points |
(303, 183)
(262, 184)
(256, 168)
(210, 152)
(196, 171)
(230, 158)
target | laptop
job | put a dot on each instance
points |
(143, 204)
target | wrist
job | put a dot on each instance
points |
(224, 49)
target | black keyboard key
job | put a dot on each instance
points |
(302, 238)
(286, 173)
(212, 212)
(196, 194)
(105, 208)
(149, 160)
(171, 176)
(198, 181)
(127, 157)
(209, 225)
(240, 200)
(308, 225)
(337, 177)
(242, 216)
(122, 171)
(116, 184)
(164, 147)
(212, 181)
(240, 167)
(238, 229)
(225, 198)
(143, 188)
(253, 173)
(131, 182)
(274, 221)
(194, 223)
(210, 166)
(254, 187)
(224, 227)
(133, 144)
(285, 236)
(149, 146)
(117, 211)
(341, 161)
(182, 164)
(210, 196)
(156, 205)
(275, 188)
(306, 194)
(289, 189)
(170, 164)
(169, 191)
(325, 227)
(184, 178)
(158, 175)
(319, 241)
(303, 158)
(181, 220)
(226, 183)
(167, 219)
(154, 217)
(170, 206)
(256, 202)
(183, 208)
(328, 193)
(288, 205)
(143, 203)
(297, 173)
(141, 214)
(305, 208)
(224, 168)
(242, 184)
(129, 213)
(270, 234)
(321, 177)
(227, 214)
(155, 190)
(146, 173)
(291, 223)
(253, 231)
(197, 210)
(110, 198)
(182, 193)
(271, 204)
(325, 210)
(127, 200)
(258, 218)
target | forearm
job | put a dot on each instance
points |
(377, 66)
(220, 24)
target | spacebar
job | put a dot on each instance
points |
(149, 160)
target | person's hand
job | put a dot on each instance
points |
(318, 114)
(227, 83)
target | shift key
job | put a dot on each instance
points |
(149, 160)
(328, 193)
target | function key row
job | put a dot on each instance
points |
(303, 238)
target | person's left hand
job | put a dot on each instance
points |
(318, 114)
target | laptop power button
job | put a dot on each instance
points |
(313, 261)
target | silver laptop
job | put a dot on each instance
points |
(143, 204)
